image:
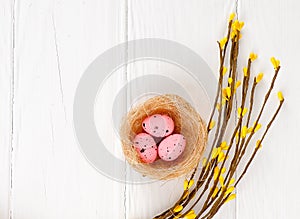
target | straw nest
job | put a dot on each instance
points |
(187, 122)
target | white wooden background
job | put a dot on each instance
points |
(45, 46)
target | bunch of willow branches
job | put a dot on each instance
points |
(215, 185)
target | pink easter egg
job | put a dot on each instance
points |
(144, 141)
(148, 155)
(171, 147)
(158, 125)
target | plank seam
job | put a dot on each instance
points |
(235, 174)
(58, 66)
(12, 101)
(126, 103)
(237, 8)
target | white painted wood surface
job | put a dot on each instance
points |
(6, 94)
(45, 46)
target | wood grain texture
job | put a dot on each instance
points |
(45, 48)
(6, 95)
(270, 189)
(197, 25)
(55, 42)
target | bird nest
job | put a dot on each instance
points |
(187, 122)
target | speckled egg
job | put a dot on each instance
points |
(171, 147)
(158, 125)
(144, 141)
(148, 155)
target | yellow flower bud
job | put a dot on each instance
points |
(185, 184)
(223, 42)
(228, 91)
(250, 130)
(221, 180)
(252, 56)
(204, 162)
(215, 152)
(244, 131)
(178, 208)
(237, 25)
(240, 112)
(237, 84)
(191, 183)
(258, 144)
(229, 190)
(224, 145)
(275, 62)
(223, 170)
(245, 70)
(216, 172)
(233, 34)
(280, 96)
(259, 77)
(257, 127)
(185, 194)
(221, 156)
(224, 70)
(190, 215)
(211, 125)
(237, 136)
(231, 17)
(215, 192)
(231, 197)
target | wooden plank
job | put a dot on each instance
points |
(6, 54)
(197, 25)
(55, 43)
(269, 189)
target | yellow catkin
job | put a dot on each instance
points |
(223, 42)
(191, 183)
(231, 17)
(224, 70)
(178, 208)
(204, 162)
(244, 131)
(231, 197)
(275, 62)
(280, 96)
(259, 77)
(257, 127)
(212, 124)
(215, 192)
(185, 184)
(252, 56)
(245, 70)
(258, 144)
(216, 172)
(229, 190)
